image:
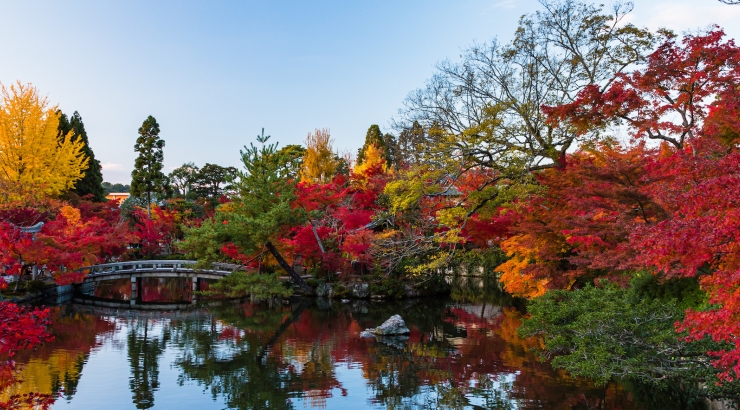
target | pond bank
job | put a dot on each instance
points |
(55, 293)
(378, 290)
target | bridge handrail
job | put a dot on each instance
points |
(111, 268)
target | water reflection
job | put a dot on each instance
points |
(226, 356)
(146, 342)
(462, 353)
(56, 367)
(153, 290)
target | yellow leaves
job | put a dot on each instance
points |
(405, 191)
(320, 163)
(31, 154)
(373, 158)
(228, 207)
(437, 262)
(451, 217)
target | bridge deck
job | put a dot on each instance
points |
(161, 269)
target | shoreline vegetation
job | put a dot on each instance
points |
(591, 166)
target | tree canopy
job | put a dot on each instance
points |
(147, 177)
(32, 154)
(91, 182)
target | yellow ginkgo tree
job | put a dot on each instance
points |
(320, 163)
(32, 153)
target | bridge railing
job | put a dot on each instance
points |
(157, 266)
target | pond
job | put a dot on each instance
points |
(463, 353)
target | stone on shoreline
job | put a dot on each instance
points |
(360, 290)
(324, 290)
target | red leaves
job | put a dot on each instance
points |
(701, 192)
(688, 95)
(581, 225)
(340, 211)
(71, 237)
(666, 100)
(155, 232)
(20, 328)
(233, 252)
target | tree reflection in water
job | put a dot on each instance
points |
(461, 353)
(55, 367)
(146, 341)
(224, 356)
(457, 356)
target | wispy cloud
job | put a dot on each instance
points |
(505, 4)
(109, 166)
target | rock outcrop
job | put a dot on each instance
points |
(360, 290)
(393, 326)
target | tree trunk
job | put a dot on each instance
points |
(286, 267)
(148, 204)
(318, 240)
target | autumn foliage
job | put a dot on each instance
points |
(32, 154)
(672, 210)
(21, 328)
(71, 237)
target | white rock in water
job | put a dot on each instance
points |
(393, 326)
(366, 335)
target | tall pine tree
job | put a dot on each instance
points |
(92, 177)
(147, 177)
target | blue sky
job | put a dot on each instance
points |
(214, 73)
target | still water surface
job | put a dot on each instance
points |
(463, 353)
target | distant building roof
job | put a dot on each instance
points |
(117, 196)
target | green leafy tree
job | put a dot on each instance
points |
(92, 177)
(108, 187)
(212, 181)
(265, 193)
(608, 331)
(391, 152)
(292, 155)
(147, 177)
(261, 209)
(410, 144)
(182, 178)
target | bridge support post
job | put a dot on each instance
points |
(196, 288)
(134, 290)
